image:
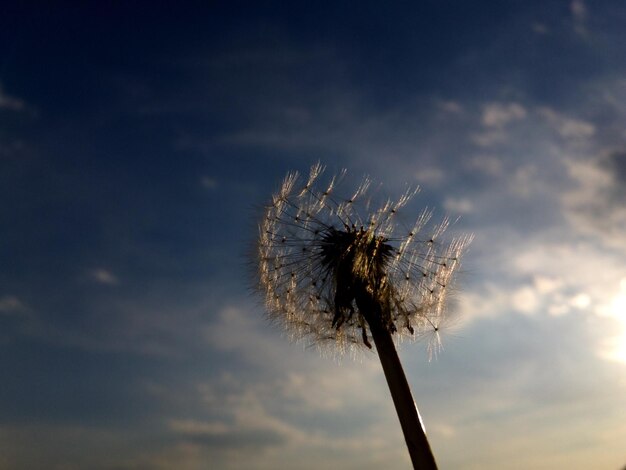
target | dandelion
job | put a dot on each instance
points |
(336, 270)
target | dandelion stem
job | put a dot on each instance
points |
(408, 414)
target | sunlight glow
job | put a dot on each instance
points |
(617, 345)
(618, 306)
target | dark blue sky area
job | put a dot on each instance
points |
(404, 47)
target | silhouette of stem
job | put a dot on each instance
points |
(408, 414)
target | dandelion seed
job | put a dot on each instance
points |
(343, 257)
(331, 271)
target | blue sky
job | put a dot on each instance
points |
(139, 142)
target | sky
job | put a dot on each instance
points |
(139, 143)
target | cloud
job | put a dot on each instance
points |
(547, 284)
(562, 193)
(566, 127)
(525, 181)
(430, 176)
(495, 118)
(10, 102)
(220, 436)
(322, 409)
(594, 204)
(489, 138)
(10, 304)
(573, 278)
(245, 334)
(487, 164)
(458, 205)
(451, 107)
(539, 28)
(308, 404)
(499, 115)
(208, 182)
(103, 276)
(578, 10)
(519, 373)
(580, 301)
(484, 300)
(503, 124)
(525, 300)
(566, 265)
(615, 163)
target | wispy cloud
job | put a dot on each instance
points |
(208, 182)
(10, 304)
(579, 12)
(302, 404)
(500, 114)
(539, 28)
(451, 106)
(458, 205)
(567, 127)
(495, 118)
(431, 176)
(9, 102)
(103, 276)
(593, 205)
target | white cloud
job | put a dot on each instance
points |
(567, 127)
(254, 340)
(458, 205)
(103, 276)
(496, 118)
(547, 284)
(590, 205)
(499, 115)
(245, 334)
(430, 176)
(558, 309)
(576, 278)
(298, 388)
(525, 300)
(487, 164)
(485, 300)
(299, 405)
(614, 347)
(580, 301)
(525, 181)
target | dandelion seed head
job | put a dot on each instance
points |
(319, 254)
